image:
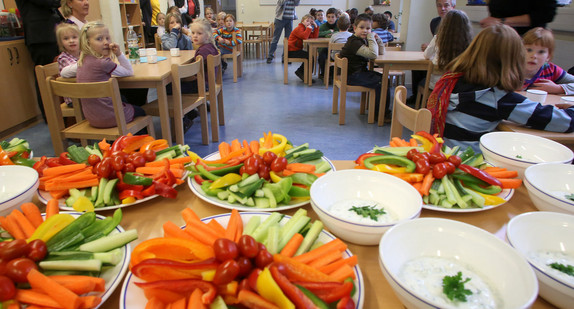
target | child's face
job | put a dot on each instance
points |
(209, 15)
(161, 20)
(100, 40)
(536, 56)
(306, 22)
(173, 23)
(70, 42)
(320, 16)
(220, 21)
(362, 29)
(198, 35)
(331, 18)
(229, 23)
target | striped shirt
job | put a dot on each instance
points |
(385, 35)
(289, 12)
(474, 111)
(554, 73)
(228, 35)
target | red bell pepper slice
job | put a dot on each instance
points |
(291, 291)
(346, 303)
(435, 144)
(163, 269)
(52, 162)
(130, 193)
(198, 179)
(164, 190)
(328, 291)
(149, 191)
(252, 279)
(122, 186)
(64, 160)
(25, 155)
(480, 174)
(254, 301)
(361, 159)
(184, 287)
(40, 166)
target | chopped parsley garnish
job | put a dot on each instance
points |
(570, 196)
(369, 212)
(453, 287)
(519, 156)
(567, 269)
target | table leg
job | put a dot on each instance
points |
(163, 112)
(311, 51)
(383, 100)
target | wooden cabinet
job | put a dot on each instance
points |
(17, 86)
(131, 15)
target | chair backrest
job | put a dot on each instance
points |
(334, 47)
(214, 72)
(42, 72)
(340, 70)
(157, 41)
(407, 117)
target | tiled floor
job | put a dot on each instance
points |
(260, 102)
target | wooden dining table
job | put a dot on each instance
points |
(148, 218)
(158, 75)
(313, 46)
(263, 31)
(400, 60)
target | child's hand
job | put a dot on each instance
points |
(115, 48)
(548, 86)
(227, 42)
(220, 40)
(175, 26)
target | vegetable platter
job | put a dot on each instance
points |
(265, 175)
(131, 170)
(72, 259)
(251, 287)
(448, 179)
(16, 152)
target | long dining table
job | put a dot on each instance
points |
(148, 218)
(313, 46)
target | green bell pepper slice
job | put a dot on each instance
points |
(370, 162)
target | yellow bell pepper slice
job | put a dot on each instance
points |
(491, 199)
(426, 144)
(225, 181)
(51, 226)
(279, 144)
(274, 177)
(129, 200)
(270, 290)
(194, 156)
(208, 275)
(386, 168)
(83, 204)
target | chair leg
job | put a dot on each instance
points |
(342, 107)
(204, 124)
(220, 109)
(285, 70)
(363, 103)
(305, 71)
(371, 116)
(335, 108)
(235, 68)
(214, 110)
(326, 75)
(240, 65)
(150, 128)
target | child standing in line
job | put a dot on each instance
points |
(359, 49)
(160, 20)
(209, 16)
(380, 23)
(302, 32)
(224, 37)
(173, 37)
(540, 72)
(97, 63)
(343, 24)
(320, 17)
(478, 92)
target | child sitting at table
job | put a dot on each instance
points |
(221, 19)
(302, 32)
(320, 17)
(160, 20)
(97, 63)
(173, 37)
(361, 47)
(209, 16)
(380, 24)
(69, 42)
(224, 37)
(327, 29)
(478, 92)
(540, 73)
(341, 36)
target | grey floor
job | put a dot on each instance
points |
(260, 102)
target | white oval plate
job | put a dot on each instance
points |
(112, 275)
(196, 188)
(133, 297)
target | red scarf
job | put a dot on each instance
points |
(439, 100)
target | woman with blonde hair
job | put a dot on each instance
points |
(478, 92)
(75, 11)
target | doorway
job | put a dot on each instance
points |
(227, 6)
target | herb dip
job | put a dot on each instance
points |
(342, 210)
(424, 275)
(543, 259)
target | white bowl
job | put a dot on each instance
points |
(505, 271)
(536, 232)
(517, 151)
(396, 196)
(548, 184)
(18, 185)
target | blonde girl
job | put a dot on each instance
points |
(478, 92)
(202, 38)
(99, 59)
(174, 36)
(68, 36)
(221, 19)
(160, 20)
(209, 16)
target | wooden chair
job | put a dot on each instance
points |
(286, 61)
(340, 84)
(157, 41)
(253, 37)
(328, 62)
(407, 117)
(237, 57)
(266, 34)
(180, 104)
(82, 129)
(42, 72)
(215, 94)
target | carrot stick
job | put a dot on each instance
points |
(98, 284)
(335, 244)
(235, 145)
(17, 231)
(90, 301)
(292, 245)
(195, 300)
(233, 225)
(413, 142)
(104, 145)
(427, 183)
(510, 183)
(489, 169)
(35, 297)
(351, 261)
(246, 147)
(24, 224)
(504, 174)
(155, 303)
(393, 144)
(52, 208)
(189, 215)
(224, 149)
(60, 294)
(201, 232)
(216, 227)
(326, 259)
(182, 160)
(254, 145)
(179, 304)
(7, 225)
(398, 141)
(418, 186)
(409, 177)
(64, 169)
(71, 185)
(297, 271)
(343, 273)
(33, 214)
(152, 170)
(173, 231)
(58, 194)
(301, 167)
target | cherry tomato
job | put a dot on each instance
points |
(252, 279)
(242, 170)
(248, 246)
(245, 266)
(411, 153)
(19, 268)
(120, 153)
(149, 155)
(454, 160)
(418, 156)
(251, 165)
(7, 289)
(118, 163)
(437, 158)
(261, 246)
(93, 159)
(269, 157)
(439, 171)
(129, 167)
(226, 272)
(264, 171)
(13, 249)
(225, 249)
(426, 155)
(37, 250)
(259, 158)
(104, 169)
(450, 168)
(3, 267)
(422, 166)
(263, 259)
(279, 164)
(244, 285)
(137, 159)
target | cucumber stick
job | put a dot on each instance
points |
(252, 224)
(82, 265)
(110, 242)
(272, 242)
(311, 237)
(261, 231)
(293, 226)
